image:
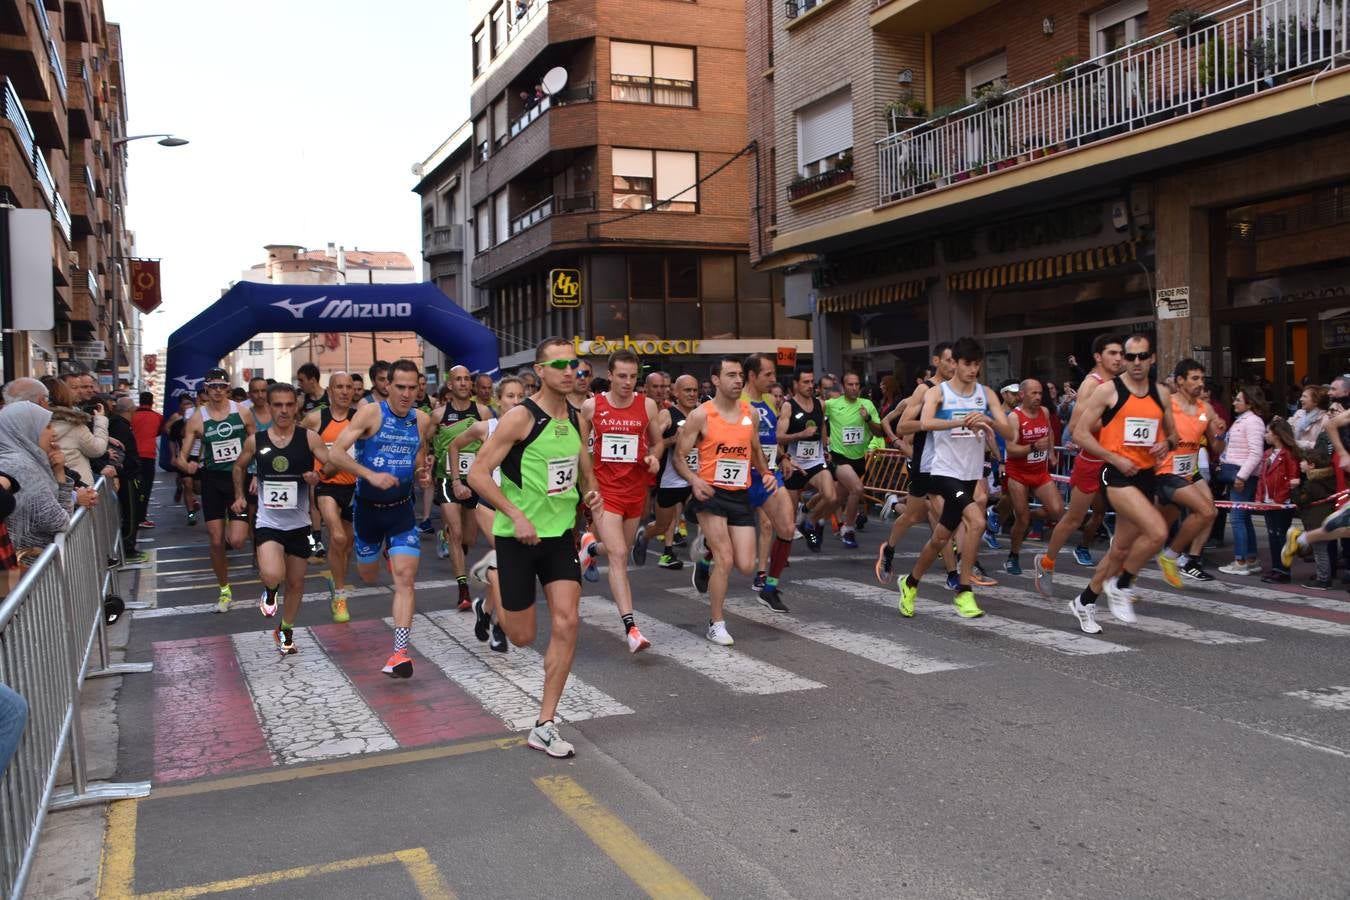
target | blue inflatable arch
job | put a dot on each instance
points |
(247, 309)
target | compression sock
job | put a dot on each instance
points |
(778, 556)
(401, 636)
(462, 580)
(628, 622)
(1088, 597)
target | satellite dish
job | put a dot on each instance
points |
(554, 80)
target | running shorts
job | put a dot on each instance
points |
(1086, 475)
(1145, 480)
(519, 566)
(444, 492)
(734, 506)
(800, 477)
(918, 484)
(1169, 484)
(216, 491)
(341, 493)
(1039, 480)
(630, 507)
(375, 524)
(758, 495)
(294, 542)
(956, 496)
(668, 497)
(857, 465)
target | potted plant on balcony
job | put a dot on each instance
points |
(902, 115)
(992, 94)
(1188, 23)
(1215, 66)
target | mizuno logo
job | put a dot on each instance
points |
(297, 309)
(346, 309)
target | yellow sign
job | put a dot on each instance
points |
(598, 346)
(565, 288)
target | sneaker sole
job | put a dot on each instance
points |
(767, 605)
(402, 670)
(543, 749)
(1082, 625)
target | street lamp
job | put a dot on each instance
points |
(165, 140)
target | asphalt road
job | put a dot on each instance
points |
(838, 750)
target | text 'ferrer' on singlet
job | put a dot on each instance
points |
(724, 447)
(1191, 431)
(1132, 425)
(959, 452)
(392, 449)
(222, 439)
(283, 496)
(539, 475)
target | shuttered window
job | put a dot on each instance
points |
(676, 176)
(501, 229)
(824, 130)
(643, 177)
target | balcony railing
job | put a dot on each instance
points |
(519, 14)
(805, 187)
(794, 8)
(582, 93)
(562, 203)
(62, 216)
(58, 68)
(88, 284)
(1133, 87)
(87, 176)
(43, 22)
(445, 238)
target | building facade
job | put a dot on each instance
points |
(608, 180)
(61, 150)
(1035, 172)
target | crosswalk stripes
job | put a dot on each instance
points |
(1066, 642)
(735, 671)
(1336, 697)
(243, 601)
(509, 685)
(1256, 591)
(880, 650)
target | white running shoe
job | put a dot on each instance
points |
(480, 569)
(546, 737)
(267, 609)
(636, 642)
(1085, 613)
(717, 633)
(1120, 600)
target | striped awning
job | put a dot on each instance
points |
(856, 301)
(1045, 268)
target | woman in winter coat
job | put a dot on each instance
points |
(80, 436)
(42, 506)
(1239, 465)
(1311, 418)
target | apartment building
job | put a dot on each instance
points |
(1035, 172)
(65, 112)
(608, 180)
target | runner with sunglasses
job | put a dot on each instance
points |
(452, 494)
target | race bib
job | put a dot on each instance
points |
(808, 451)
(497, 476)
(619, 448)
(692, 460)
(465, 461)
(1184, 465)
(853, 435)
(961, 431)
(771, 454)
(279, 494)
(1036, 456)
(226, 451)
(562, 475)
(1140, 432)
(196, 451)
(731, 473)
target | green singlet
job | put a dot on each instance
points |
(223, 441)
(849, 434)
(539, 475)
(455, 422)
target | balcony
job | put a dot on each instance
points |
(17, 116)
(923, 16)
(822, 184)
(62, 216)
(83, 203)
(550, 205)
(1235, 53)
(86, 299)
(521, 15)
(81, 108)
(582, 93)
(562, 127)
(443, 239)
(536, 232)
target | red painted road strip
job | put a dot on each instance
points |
(428, 708)
(204, 719)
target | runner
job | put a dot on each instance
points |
(186, 489)
(776, 525)
(262, 420)
(217, 430)
(312, 395)
(379, 384)
(288, 457)
(622, 428)
(510, 394)
(539, 448)
(335, 489)
(672, 491)
(1180, 485)
(453, 496)
(581, 390)
(390, 439)
(1030, 459)
(801, 425)
(1133, 414)
(960, 413)
(726, 433)
(853, 423)
(1085, 480)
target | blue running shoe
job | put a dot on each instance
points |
(1083, 557)
(849, 540)
(953, 582)
(1012, 566)
(991, 519)
(759, 582)
(990, 540)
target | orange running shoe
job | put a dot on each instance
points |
(399, 665)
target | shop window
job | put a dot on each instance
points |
(751, 285)
(825, 134)
(648, 73)
(647, 319)
(609, 278)
(719, 320)
(609, 319)
(647, 276)
(499, 132)
(684, 323)
(719, 278)
(756, 320)
(683, 275)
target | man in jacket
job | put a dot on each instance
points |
(125, 464)
(147, 423)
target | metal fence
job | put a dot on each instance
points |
(49, 625)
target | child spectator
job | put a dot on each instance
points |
(1279, 474)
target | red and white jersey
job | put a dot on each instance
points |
(619, 447)
(1029, 431)
(1083, 454)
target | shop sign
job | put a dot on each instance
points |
(564, 288)
(1174, 303)
(787, 357)
(599, 346)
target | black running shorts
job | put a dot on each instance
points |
(520, 566)
(1168, 485)
(800, 477)
(295, 542)
(734, 506)
(217, 495)
(342, 495)
(445, 493)
(956, 496)
(668, 497)
(1145, 480)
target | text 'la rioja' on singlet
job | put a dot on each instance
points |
(1191, 429)
(1029, 431)
(724, 447)
(539, 475)
(392, 449)
(1133, 424)
(283, 496)
(329, 429)
(620, 444)
(959, 452)
(222, 439)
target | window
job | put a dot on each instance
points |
(983, 75)
(501, 218)
(499, 123)
(643, 178)
(482, 228)
(450, 206)
(255, 348)
(824, 133)
(498, 29)
(479, 52)
(480, 139)
(1118, 25)
(647, 73)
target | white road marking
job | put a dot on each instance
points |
(869, 646)
(306, 706)
(1336, 697)
(725, 665)
(1065, 642)
(249, 601)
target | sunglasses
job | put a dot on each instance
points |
(217, 384)
(561, 364)
(1137, 357)
(583, 373)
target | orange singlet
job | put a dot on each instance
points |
(329, 429)
(1185, 460)
(1132, 426)
(724, 448)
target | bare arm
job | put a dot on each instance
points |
(1088, 416)
(192, 432)
(688, 436)
(364, 424)
(475, 432)
(240, 470)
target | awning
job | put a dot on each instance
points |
(855, 301)
(1045, 268)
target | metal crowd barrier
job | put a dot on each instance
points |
(48, 627)
(886, 475)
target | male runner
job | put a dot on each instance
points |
(1085, 480)
(390, 438)
(801, 426)
(1133, 415)
(657, 388)
(312, 393)
(483, 392)
(453, 496)
(287, 457)
(539, 448)
(1180, 485)
(776, 526)
(581, 388)
(379, 384)
(959, 414)
(1030, 459)
(672, 491)
(853, 422)
(726, 433)
(174, 428)
(335, 489)
(218, 428)
(623, 429)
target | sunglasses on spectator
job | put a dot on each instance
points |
(1135, 357)
(561, 364)
(217, 384)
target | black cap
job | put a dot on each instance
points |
(216, 374)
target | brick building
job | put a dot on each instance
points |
(609, 139)
(64, 115)
(1035, 172)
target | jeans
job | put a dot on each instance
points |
(13, 715)
(1244, 532)
(1277, 527)
(1322, 560)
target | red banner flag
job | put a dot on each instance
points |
(145, 284)
(151, 362)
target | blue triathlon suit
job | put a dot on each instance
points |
(768, 437)
(387, 515)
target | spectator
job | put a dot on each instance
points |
(13, 715)
(1311, 419)
(522, 8)
(29, 389)
(1318, 482)
(28, 453)
(127, 467)
(1239, 464)
(146, 423)
(1279, 476)
(526, 100)
(82, 436)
